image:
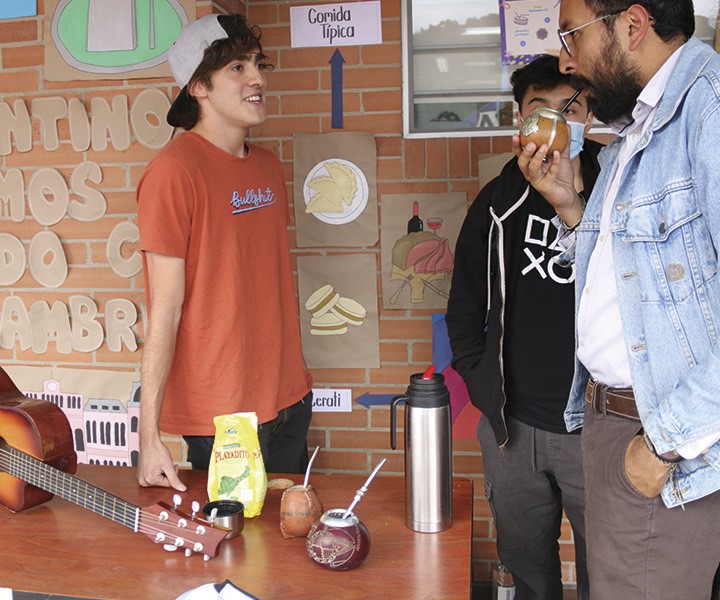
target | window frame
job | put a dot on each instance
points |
(408, 92)
(409, 96)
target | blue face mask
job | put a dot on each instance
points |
(577, 137)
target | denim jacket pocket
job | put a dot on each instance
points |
(669, 232)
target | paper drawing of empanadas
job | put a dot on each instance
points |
(321, 203)
(328, 197)
(345, 180)
(333, 192)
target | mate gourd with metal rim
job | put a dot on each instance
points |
(545, 126)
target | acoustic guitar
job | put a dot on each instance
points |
(37, 462)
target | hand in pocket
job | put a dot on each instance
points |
(645, 472)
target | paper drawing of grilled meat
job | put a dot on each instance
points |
(418, 259)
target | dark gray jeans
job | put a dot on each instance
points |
(528, 485)
(283, 441)
(638, 548)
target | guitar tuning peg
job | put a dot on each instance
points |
(188, 552)
(195, 509)
(213, 514)
(206, 557)
(177, 501)
(170, 547)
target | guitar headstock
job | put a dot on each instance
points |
(176, 530)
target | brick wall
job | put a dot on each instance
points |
(299, 101)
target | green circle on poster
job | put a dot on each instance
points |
(154, 24)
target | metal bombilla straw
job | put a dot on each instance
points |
(570, 101)
(307, 471)
(361, 492)
(561, 112)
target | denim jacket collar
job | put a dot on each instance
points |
(695, 55)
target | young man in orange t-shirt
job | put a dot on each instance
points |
(223, 334)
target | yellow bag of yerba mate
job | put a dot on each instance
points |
(236, 470)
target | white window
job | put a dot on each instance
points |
(454, 82)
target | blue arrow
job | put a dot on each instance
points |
(368, 399)
(336, 62)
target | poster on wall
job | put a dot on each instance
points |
(111, 39)
(18, 9)
(334, 189)
(102, 408)
(417, 247)
(528, 28)
(338, 300)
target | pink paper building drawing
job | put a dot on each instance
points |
(105, 431)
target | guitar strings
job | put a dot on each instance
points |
(131, 513)
(55, 481)
(34, 471)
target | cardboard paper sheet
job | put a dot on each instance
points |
(334, 189)
(418, 250)
(339, 311)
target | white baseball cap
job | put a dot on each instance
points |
(188, 51)
(185, 57)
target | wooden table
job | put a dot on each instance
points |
(61, 548)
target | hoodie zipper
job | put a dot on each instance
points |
(497, 221)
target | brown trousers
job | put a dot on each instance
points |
(636, 547)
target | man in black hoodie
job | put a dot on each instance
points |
(511, 324)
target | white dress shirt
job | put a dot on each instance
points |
(601, 342)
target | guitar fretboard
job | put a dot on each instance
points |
(77, 491)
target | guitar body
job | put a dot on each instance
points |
(38, 428)
(36, 445)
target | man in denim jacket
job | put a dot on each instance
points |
(647, 380)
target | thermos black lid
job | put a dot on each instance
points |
(427, 392)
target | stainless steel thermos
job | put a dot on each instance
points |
(428, 452)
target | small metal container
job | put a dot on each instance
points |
(230, 515)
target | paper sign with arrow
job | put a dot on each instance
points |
(336, 63)
(344, 24)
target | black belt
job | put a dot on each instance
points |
(611, 401)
